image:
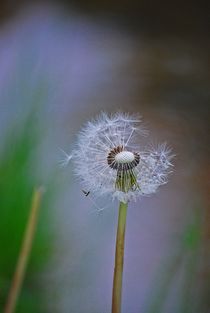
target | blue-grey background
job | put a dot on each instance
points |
(60, 65)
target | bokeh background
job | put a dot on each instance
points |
(62, 63)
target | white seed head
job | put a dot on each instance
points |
(124, 157)
(109, 158)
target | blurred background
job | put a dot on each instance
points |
(62, 63)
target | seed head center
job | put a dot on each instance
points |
(122, 160)
(124, 157)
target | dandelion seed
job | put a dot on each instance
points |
(98, 209)
(65, 159)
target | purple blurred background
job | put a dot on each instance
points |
(84, 58)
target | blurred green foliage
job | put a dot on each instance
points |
(16, 187)
(185, 260)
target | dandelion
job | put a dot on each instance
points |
(110, 160)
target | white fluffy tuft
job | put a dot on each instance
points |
(103, 134)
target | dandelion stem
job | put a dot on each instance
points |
(24, 252)
(119, 256)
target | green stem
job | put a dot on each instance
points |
(24, 252)
(119, 257)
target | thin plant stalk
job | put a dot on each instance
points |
(119, 259)
(24, 252)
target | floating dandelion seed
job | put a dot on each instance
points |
(65, 159)
(110, 160)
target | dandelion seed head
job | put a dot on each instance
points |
(109, 158)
